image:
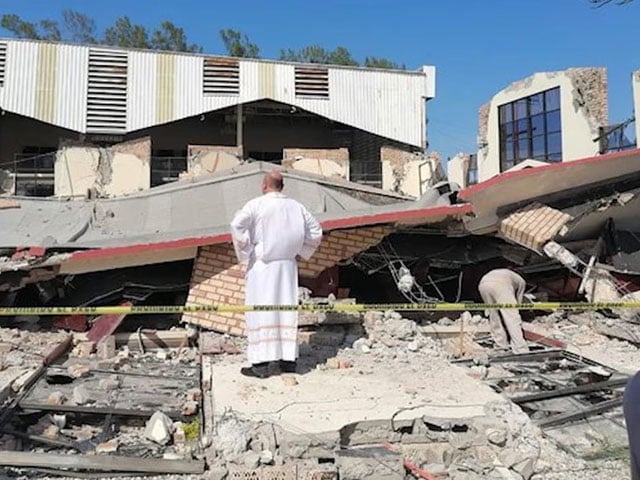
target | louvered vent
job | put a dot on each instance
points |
(312, 82)
(107, 93)
(3, 61)
(221, 76)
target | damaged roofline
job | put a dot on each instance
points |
(560, 167)
(328, 225)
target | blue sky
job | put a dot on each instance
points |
(477, 46)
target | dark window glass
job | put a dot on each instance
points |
(505, 114)
(552, 99)
(538, 146)
(536, 104)
(537, 124)
(523, 149)
(530, 128)
(553, 121)
(521, 109)
(554, 143)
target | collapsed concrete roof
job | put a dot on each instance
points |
(198, 211)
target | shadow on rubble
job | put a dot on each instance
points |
(319, 347)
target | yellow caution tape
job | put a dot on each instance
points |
(331, 307)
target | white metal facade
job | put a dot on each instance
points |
(50, 82)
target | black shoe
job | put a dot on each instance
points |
(259, 370)
(288, 367)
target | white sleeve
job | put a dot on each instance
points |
(241, 234)
(312, 235)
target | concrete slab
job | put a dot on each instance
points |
(327, 400)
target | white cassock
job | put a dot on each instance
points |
(268, 233)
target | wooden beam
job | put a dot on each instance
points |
(113, 463)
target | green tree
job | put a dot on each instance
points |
(318, 54)
(125, 34)
(172, 38)
(78, 27)
(237, 44)
(379, 62)
(602, 3)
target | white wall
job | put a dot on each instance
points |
(457, 169)
(636, 104)
(119, 170)
(579, 128)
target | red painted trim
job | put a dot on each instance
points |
(328, 225)
(542, 339)
(397, 216)
(464, 194)
(146, 247)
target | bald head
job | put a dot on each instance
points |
(272, 182)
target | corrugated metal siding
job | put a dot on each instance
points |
(3, 61)
(19, 92)
(384, 103)
(71, 92)
(143, 84)
(107, 91)
(165, 93)
(46, 76)
(188, 84)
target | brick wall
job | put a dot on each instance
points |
(219, 279)
(336, 154)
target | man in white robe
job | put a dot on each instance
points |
(505, 286)
(268, 233)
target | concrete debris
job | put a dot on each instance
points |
(81, 395)
(108, 447)
(56, 398)
(159, 428)
(78, 370)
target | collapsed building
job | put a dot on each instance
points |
(381, 396)
(120, 121)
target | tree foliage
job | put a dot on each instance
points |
(238, 45)
(602, 3)
(79, 28)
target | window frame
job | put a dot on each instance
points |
(519, 139)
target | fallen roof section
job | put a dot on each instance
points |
(511, 190)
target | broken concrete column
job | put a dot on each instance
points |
(402, 171)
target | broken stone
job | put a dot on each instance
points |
(217, 473)
(171, 455)
(107, 348)
(84, 349)
(266, 457)
(231, 436)
(159, 428)
(59, 420)
(80, 395)
(78, 371)
(194, 395)
(56, 398)
(497, 436)
(110, 446)
(251, 460)
(333, 363)
(372, 318)
(179, 437)
(162, 355)
(289, 381)
(525, 468)
(345, 364)
(413, 346)
(109, 384)
(5, 348)
(400, 328)
(189, 408)
(51, 431)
